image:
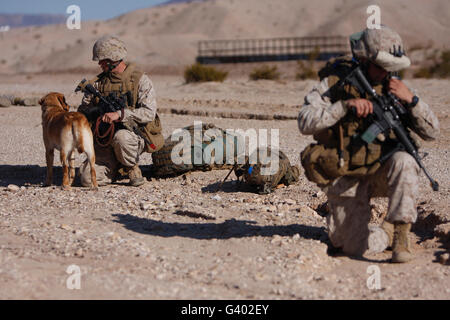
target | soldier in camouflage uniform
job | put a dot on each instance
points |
(325, 113)
(126, 146)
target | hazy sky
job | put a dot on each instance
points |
(90, 9)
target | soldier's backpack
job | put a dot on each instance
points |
(203, 148)
(266, 174)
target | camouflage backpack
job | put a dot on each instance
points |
(213, 141)
(260, 175)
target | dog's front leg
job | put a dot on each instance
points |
(49, 155)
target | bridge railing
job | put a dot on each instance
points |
(272, 49)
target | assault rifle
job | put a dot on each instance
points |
(111, 103)
(388, 114)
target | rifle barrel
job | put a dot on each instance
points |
(394, 122)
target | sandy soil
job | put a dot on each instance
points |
(179, 239)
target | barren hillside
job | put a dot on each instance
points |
(167, 35)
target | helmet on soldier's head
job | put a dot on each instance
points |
(109, 47)
(382, 46)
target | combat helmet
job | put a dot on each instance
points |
(382, 46)
(109, 47)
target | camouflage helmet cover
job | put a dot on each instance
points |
(382, 46)
(109, 47)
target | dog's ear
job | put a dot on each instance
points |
(62, 101)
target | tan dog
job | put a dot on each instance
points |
(67, 132)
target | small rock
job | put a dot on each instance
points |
(305, 210)
(77, 232)
(445, 258)
(160, 276)
(5, 102)
(217, 198)
(79, 253)
(24, 230)
(276, 239)
(12, 188)
(290, 201)
(113, 235)
(146, 206)
(319, 194)
(443, 231)
(65, 227)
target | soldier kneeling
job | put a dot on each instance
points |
(120, 149)
(336, 113)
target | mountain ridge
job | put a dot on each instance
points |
(26, 20)
(167, 36)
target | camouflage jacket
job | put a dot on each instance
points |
(146, 100)
(318, 113)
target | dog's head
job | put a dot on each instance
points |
(54, 99)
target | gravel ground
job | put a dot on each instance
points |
(178, 238)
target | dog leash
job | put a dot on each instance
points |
(108, 133)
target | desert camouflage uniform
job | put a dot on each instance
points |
(349, 197)
(126, 146)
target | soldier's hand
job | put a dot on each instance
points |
(362, 107)
(110, 117)
(400, 90)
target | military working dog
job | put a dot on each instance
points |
(65, 131)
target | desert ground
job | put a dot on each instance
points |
(179, 238)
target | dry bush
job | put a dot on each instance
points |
(201, 73)
(266, 73)
(442, 69)
(314, 54)
(416, 47)
(306, 71)
(439, 69)
(423, 73)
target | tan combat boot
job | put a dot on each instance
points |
(389, 229)
(135, 176)
(401, 251)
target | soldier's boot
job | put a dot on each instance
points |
(135, 175)
(401, 251)
(389, 229)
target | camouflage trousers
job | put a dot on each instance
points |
(349, 204)
(124, 151)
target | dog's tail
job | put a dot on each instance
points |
(85, 139)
